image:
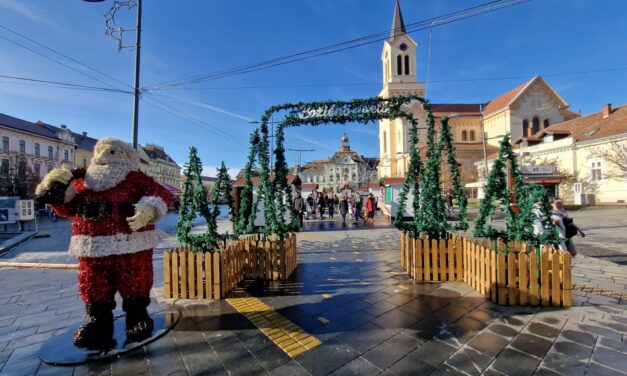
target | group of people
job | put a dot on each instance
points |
(351, 205)
(565, 225)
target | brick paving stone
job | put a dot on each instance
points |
(327, 357)
(289, 369)
(133, 363)
(165, 358)
(48, 370)
(515, 363)
(358, 366)
(564, 364)
(610, 358)
(469, 361)
(365, 337)
(595, 369)
(532, 344)
(391, 350)
(614, 344)
(410, 365)
(433, 352)
(488, 343)
(23, 367)
(579, 337)
(271, 357)
(543, 330)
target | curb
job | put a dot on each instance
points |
(15, 241)
(37, 265)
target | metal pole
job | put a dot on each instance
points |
(137, 64)
(485, 152)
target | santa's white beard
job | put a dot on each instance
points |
(103, 177)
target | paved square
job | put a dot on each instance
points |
(350, 292)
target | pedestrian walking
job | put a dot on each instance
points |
(358, 207)
(344, 208)
(299, 207)
(370, 208)
(331, 206)
(565, 226)
(309, 205)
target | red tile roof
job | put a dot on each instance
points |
(593, 126)
(456, 108)
(505, 99)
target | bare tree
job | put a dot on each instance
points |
(615, 155)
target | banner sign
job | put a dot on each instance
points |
(333, 110)
(342, 112)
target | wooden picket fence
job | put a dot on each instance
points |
(213, 274)
(519, 276)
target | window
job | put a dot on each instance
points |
(331, 178)
(50, 167)
(354, 177)
(22, 147)
(464, 136)
(37, 149)
(385, 144)
(407, 65)
(66, 155)
(399, 65)
(5, 143)
(84, 162)
(536, 125)
(472, 135)
(37, 168)
(596, 172)
(4, 168)
(525, 128)
(546, 123)
(50, 152)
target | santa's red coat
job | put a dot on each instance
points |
(99, 226)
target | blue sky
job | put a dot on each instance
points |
(187, 38)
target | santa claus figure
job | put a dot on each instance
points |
(113, 207)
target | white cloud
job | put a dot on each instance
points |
(28, 11)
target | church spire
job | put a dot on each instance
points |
(398, 25)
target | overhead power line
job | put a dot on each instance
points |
(338, 47)
(65, 85)
(57, 52)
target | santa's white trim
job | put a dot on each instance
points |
(161, 209)
(118, 244)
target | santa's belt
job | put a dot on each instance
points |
(93, 210)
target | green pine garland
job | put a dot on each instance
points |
(193, 201)
(446, 143)
(248, 211)
(282, 191)
(222, 193)
(411, 183)
(496, 189)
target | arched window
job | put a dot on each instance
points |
(407, 65)
(536, 125)
(464, 136)
(399, 65)
(525, 128)
(472, 135)
(546, 123)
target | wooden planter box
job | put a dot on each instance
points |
(214, 274)
(517, 277)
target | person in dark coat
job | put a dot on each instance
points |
(331, 206)
(299, 207)
(344, 207)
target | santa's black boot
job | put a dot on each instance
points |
(139, 325)
(97, 332)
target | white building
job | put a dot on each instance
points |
(345, 167)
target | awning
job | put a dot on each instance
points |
(544, 179)
(171, 188)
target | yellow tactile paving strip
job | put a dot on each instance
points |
(288, 336)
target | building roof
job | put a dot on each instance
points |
(39, 128)
(508, 98)
(592, 126)
(504, 100)
(457, 108)
(82, 141)
(157, 153)
(398, 25)
(255, 180)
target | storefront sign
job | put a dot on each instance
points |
(537, 169)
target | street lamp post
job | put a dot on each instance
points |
(138, 33)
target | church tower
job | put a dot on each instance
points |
(399, 78)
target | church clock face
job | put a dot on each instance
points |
(403, 47)
(345, 160)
